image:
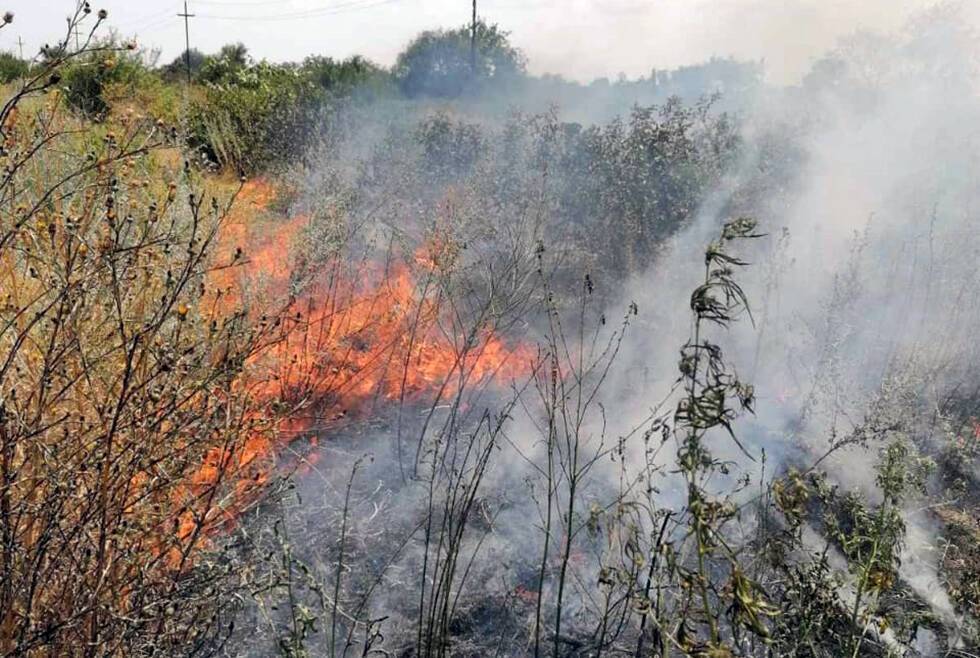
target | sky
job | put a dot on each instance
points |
(579, 39)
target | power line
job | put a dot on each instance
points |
(243, 3)
(307, 13)
(160, 22)
(312, 13)
(148, 19)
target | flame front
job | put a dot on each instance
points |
(348, 340)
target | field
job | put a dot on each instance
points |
(447, 359)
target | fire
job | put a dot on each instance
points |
(349, 339)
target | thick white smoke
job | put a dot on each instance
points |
(865, 292)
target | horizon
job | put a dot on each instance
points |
(674, 33)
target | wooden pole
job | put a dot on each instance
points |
(187, 40)
(473, 42)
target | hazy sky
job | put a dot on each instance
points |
(579, 39)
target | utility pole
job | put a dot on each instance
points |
(473, 42)
(20, 44)
(187, 40)
(76, 39)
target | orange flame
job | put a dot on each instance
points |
(343, 343)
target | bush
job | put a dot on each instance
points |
(252, 117)
(636, 182)
(87, 79)
(12, 67)
(345, 77)
(613, 192)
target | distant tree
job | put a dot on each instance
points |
(235, 54)
(233, 58)
(341, 76)
(178, 67)
(437, 63)
(717, 75)
(12, 67)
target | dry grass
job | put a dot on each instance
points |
(122, 415)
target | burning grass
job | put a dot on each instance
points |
(345, 338)
(160, 348)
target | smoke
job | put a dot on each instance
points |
(864, 296)
(865, 291)
(787, 35)
(866, 267)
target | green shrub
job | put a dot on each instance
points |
(252, 117)
(86, 80)
(341, 76)
(12, 67)
(355, 77)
